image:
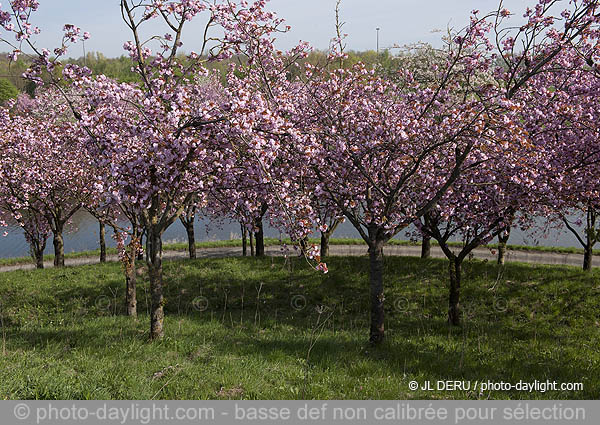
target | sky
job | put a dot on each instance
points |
(401, 21)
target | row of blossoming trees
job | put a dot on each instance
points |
(501, 125)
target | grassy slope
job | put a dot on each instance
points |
(64, 340)
(274, 241)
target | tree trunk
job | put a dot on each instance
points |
(260, 239)
(59, 247)
(189, 227)
(454, 306)
(252, 251)
(377, 332)
(587, 259)
(102, 243)
(39, 259)
(157, 314)
(324, 245)
(502, 241)
(588, 250)
(426, 247)
(37, 252)
(131, 290)
(140, 255)
(304, 245)
(130, 275)
(244, 240)
(590, 239)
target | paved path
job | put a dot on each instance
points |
(534, 257)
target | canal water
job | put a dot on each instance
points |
(82, 235)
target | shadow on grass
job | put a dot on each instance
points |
(525, 323)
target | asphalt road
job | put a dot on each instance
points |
(533, 257)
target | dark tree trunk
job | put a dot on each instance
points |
(130, 275)
(140, 255)
(187, 219)
(39, 259)
(502, 241)
(377, 332)
(455, 277)
(590, 238)
(188, 222)
(37, 252)
(157, 314)
(426, 247)
(252, 250)
(191, 239)
(326, 236)
(588, 256)
(131, 290)
(260, 239)
(59, 247)
(244, 240)
(102, 242)
(324, 245)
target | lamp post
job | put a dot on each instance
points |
(84, 54)
(377, 29)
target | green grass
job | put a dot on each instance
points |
(66, 337)
(113, 251)
(275, 241)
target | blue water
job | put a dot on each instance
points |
(83, 236)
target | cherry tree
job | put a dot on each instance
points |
(124, 219)
(494, 186)
(27, 215)
(187, 219)
(562, 120)
(34, 226)
(383, 153)
(45, 166)
(386, 153)
(385, 157)
(164, 141)
(168, 140)
(239, 197)
(486, 207)
(329, 218)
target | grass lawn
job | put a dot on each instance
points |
(242, 328)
